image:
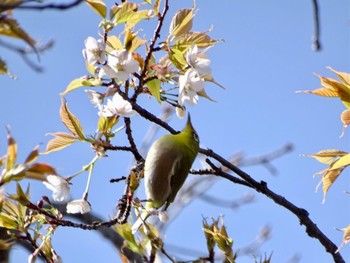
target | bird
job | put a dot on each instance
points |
(166, 167)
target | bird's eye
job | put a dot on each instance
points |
(195, 137)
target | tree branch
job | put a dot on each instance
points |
(311, 228)
(23, 5)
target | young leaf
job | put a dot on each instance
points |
(342, 90)
(327, 156)
(176, 56)
(60, 141)
(328, 179)
(343, 76)
(11, 152)
(98, 6)
(9, 27)
(202, 40)
(346, 237)
(71, 122)
(181, 23)
(324, 92)
(33, 155)
(3, 67)
(39, 170)
(342, 162)
(345, 118)
(123, 12)
(114, 43)
(82, 82)
(154, 87)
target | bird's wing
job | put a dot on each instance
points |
(179, 174)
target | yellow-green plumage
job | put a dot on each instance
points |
(167, 165)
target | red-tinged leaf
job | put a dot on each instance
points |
(343, 76)
(71, 122)
(98, 6)
(33, 155)
(60, 141)
(327, 156)
(341, 163)
(41, 168)
(11, 152)
(181, 22)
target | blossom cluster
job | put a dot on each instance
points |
(119, 65)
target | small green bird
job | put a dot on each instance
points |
(167, 165)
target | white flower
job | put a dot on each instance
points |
(94, 52)
(78, 206)
(180, 112)
(120, 65)
(198, 61)
(95, 97)
(189, 85)
(59, 187)
(163, 216)
(117, 106)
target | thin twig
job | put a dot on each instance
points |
(133, 146)
(316, 45)
(156, 36)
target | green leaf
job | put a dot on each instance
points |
(71, 122)
(176, 56)
(181, 23)
(61, 140)
(7, 221)
(98, 6)
(105, 124)
(124, 13)
(82, 82)
(154, 87)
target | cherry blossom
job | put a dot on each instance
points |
(117, 106)
(81, 206)
(94, 52)
(59, 187)
(120, 65)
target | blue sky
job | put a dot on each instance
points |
(265, 57)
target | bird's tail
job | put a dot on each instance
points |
(141, 220)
